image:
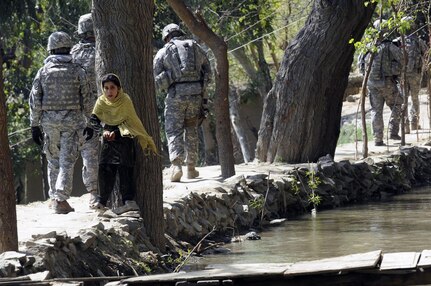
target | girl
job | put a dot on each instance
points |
(121, 124)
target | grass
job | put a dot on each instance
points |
(347, 133)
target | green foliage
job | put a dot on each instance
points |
(295, 186)
(313, 180)
(305, 185)
(257, 203)
(314, 199)
(313, 183)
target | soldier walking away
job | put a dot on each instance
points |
(183, 71)
(59, 98)
(416, 49)
(382, 87)
(84, 53)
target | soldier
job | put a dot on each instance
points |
(416, 49)
(182, 69)
(84, 53)
(58, 100)
(382, 87)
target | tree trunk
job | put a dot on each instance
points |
(123, 46)
(238, 126)
(259, 77)
(8, 227)
(309, 87)
(197, 26)
(210, 144)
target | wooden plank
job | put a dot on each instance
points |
(425, 260)
(336, 264)
(399, 260)
(225, 271)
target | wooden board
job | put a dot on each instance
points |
(399, 260)
(225, 271)
(425, 260)
(366, 260)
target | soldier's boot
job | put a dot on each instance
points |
(192, 172)
(406, 125)
(51, 203)
(407, 128)
(415, 125)
(62, 207)
(176, 171)
(94, 198)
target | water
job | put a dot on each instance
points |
(403, 223)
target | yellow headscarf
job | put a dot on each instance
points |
(121, 113)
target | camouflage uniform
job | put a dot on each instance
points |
(382, 87)
(59, 96)
(185, 91)
(84, 53)
(416, 49)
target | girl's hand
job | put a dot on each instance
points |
(109, 136)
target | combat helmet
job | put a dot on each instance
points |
(380, 25)
(412, 24)
(169, 29)
(85, 24)
(59, 40)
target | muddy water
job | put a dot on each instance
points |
(401, 223)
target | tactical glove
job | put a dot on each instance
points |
(88, 131)
(37, 135)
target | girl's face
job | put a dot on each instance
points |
(111, 90)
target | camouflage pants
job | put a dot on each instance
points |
(62, 138)
(413, 84)
(379, 93)
(61, 149)
(90, 160)
(182, 139)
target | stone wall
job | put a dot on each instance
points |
(230, 208)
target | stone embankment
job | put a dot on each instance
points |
(299, 189)
(111, 245)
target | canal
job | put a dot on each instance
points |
(400, 223)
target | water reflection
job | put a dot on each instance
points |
(401, 224)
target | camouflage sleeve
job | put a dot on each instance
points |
(396, 52)
(95, 123)
(162, 76)
(35, 100)
(204, 62)
(86, 95)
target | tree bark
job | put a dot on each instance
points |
(197, 26)
(8, 227)
(238, 126)
(210, 144)
(123, 46)
(259, 77)
(309, 87)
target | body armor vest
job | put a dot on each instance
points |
(85, 55)
(61, 86)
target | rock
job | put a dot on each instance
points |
(88, 239)
(51, 234)
(40, 276)
(7, 269)
(277, 221)
(13, 255)
(252, 236)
